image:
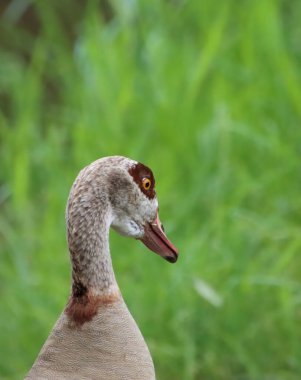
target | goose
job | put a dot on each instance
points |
(96, 337)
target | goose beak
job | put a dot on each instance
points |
(156, 240)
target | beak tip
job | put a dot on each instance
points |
(171, 259)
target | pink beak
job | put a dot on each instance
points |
(156, 240)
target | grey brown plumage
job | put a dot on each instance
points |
(96, 336)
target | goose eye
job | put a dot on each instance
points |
(146, 183)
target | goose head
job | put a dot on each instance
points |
(134, 206)
(118, 192)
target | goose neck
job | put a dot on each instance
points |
(88, 240)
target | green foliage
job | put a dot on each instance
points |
(208, 95)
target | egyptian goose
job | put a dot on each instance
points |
(96, 337)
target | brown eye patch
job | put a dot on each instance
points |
(144, 178)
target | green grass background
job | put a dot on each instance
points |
(206, 93)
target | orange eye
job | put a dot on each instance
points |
(146, 183)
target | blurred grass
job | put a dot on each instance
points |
(208, 95)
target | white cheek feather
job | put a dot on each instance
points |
(134, 229)
(127, 226)
(148, 208)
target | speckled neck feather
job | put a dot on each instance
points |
(88, 218)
